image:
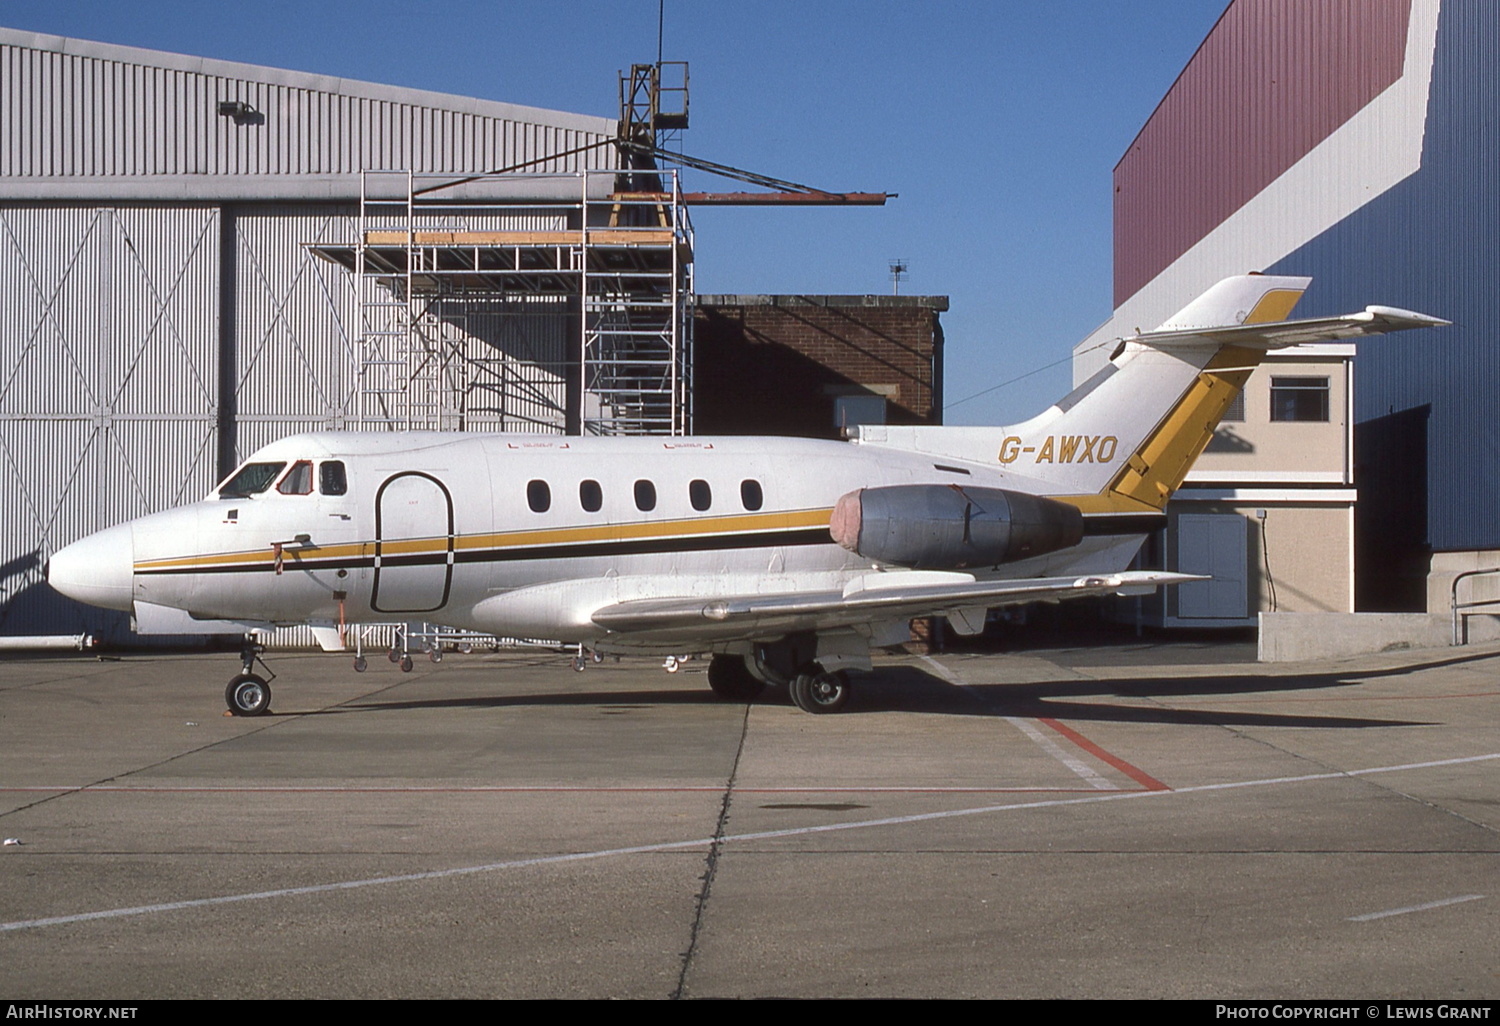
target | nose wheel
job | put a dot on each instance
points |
(248, 695)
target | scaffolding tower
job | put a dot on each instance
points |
(482, 311)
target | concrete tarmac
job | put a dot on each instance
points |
(1149, 821)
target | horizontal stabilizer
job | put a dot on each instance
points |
(1373, 320)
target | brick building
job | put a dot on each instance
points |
(813, 366)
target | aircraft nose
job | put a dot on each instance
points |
(96, 570)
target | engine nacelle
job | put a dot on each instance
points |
(947, 527)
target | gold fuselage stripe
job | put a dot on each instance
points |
(707, 527)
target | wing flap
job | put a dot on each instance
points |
(863, 602)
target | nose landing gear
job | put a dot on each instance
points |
(249, 694)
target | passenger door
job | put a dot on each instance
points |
(413, 544)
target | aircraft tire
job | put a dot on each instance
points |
(731, 680)
(248, 695)
(820, 692)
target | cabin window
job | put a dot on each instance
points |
(1299, 399)
(251, 479)
(298, 480)
(331, 478)
(590, 496)
(700, 495)
(750, 495)
(538, 496)
(645, 496)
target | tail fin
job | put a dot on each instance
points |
(1125, 439)
(1243, 299)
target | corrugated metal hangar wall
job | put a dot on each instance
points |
(160, 313)
(1353, 141)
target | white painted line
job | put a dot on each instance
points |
(1415, 908)
(1043, 741)
(1055, 750)
(948, 675)
(704, 842)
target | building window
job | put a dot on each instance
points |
(538, 496)
(645, 496)
(1234, 413)
(1299, 399)
(850, 411)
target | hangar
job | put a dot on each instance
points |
(199, 256)
(1347, 141)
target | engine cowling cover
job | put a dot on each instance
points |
(947, 527)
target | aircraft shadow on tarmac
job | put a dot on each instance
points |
(912, 689)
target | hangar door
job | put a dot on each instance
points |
(1213, 544)
(108, 386)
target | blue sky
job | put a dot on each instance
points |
(998, 123)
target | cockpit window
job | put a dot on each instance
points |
(251, 479)
(298, 480)
(331, 478)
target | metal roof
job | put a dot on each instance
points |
(82, 120)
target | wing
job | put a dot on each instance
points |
(1373, 320)
(871, 599)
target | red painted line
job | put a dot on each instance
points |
(1140, 776)
(545, 789)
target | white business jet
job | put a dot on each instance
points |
(788, 559)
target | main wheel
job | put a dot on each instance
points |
(732, 680)
(820, 692)
(248, 695)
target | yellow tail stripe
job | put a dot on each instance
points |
(1161, 464)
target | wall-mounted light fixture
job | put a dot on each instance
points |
(242, 112)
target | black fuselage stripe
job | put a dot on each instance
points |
(572, 550)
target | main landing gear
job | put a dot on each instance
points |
(819, 691)
(249, 694)
(731, 679)
(812, 688)
(584, 656)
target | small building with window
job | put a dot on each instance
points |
(1268, 510)
(1351, 143)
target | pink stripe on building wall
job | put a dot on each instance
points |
(1273, 79)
